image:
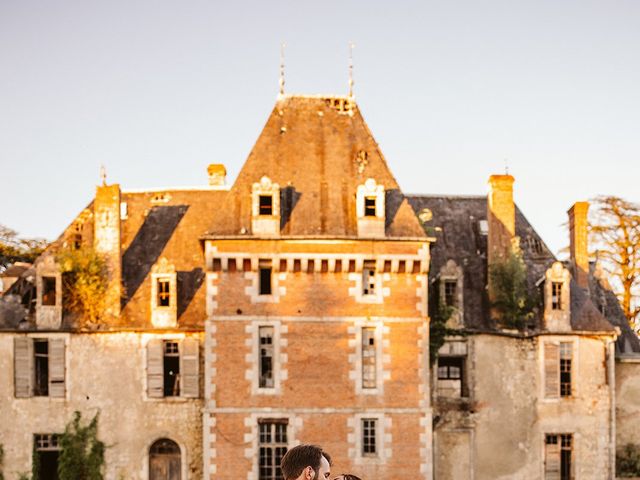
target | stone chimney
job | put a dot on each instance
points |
(501, 216)
(217, 174)
(106, 241)
(579, 245)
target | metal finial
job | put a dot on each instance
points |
(506, 167)
(351, 45)
(103, 175)
(282, 47)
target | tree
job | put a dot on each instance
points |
(84, 277)
(81, 453)
(615, 233)
(510, 295)
(16, 249)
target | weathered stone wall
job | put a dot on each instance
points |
(627, 402)
(105, 373)
(500, 430)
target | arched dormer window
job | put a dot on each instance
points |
(265, 207)
(451, 283)
(370, 209)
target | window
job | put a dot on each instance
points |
(47, 451)
(39, 367)
(49, 291)
(451, 377)
(164, 292)
(565, 369)
(556, 295)
(173, 368)
(369, 363)
(557, 456)
(264, 271)
(265, 205)
(370, 206)
(558, 361)
(450, 287)
(369, 278)
(164, 460)
(369, 440)
(266, 357)
(272, 445)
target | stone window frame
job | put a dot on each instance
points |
(164, 316)
(456, 347)
(65, 338)
(48, 317)
(370, 226)
(265, 225)
(180, 338)
(251, 437)
(280, 374)
(452, 272)
(357, 289)
(575, 367)
(559, 319)
(383, 438)
(382, 344)
(574, 450)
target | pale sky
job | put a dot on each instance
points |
(452, 90)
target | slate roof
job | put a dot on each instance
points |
(455, 224)
(318, 149)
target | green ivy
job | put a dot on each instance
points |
(628, 461)
(438, 330)
(511, 296)
(81, 453)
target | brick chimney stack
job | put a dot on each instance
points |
(501, 216)
(579, 245)
(106, 241)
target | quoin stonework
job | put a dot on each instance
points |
(295, 306)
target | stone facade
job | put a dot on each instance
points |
(295, 306)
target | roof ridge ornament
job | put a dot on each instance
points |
(351, 82)
(103, 175)
(282, 47)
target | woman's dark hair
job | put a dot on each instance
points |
(348, 476)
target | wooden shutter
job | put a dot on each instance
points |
(56, 368)
(551, 370)
(189, 368)
(155, 370)
(23, 366)
(552, 461)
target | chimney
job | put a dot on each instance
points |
(501, 216)
(106, 241)
(217, 174)
(579, 244)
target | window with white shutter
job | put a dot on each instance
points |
(23, 366)
(190, 367)
(56, 368)
(551, 370)
(173, 368)
(155, 377)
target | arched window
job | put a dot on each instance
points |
(164, 460)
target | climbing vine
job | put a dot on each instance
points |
(81, 453)
(438, 330)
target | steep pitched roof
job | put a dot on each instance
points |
(318, 149)
(456, 226)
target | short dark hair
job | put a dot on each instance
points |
(348, 476)
(300, 457)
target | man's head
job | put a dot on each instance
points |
(306, 462)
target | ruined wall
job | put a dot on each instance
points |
(627, 402)
(105, 373)
(500, 430)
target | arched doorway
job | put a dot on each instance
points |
(164, 460)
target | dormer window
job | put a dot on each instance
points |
(370, 206)
(164, 295)
(266, 205)
(370, 209)
(49, 291)
(450, 287)
(557, 309)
